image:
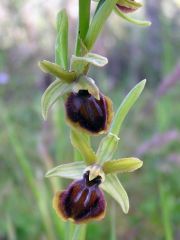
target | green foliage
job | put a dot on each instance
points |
(109, 144)
(125, 107)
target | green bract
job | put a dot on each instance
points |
(109, 143)
(101, 163)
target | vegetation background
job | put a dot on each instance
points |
(29, 146)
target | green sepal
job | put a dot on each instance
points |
(125, 106)
(86, 83)
(61, 46)
(92, 58)
(56, 90)
(132, 20)
(122, 165)
(57, 71)
(81, 64)
(115, 189)
(72, 170)
(107, 147)
(81, 142)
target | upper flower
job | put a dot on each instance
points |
(86, 112)
(86, 107)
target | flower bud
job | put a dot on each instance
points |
(128, 6)
(82, 201)
(88, 113)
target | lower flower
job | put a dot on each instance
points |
(82, 201)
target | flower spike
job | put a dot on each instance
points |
(89, 112)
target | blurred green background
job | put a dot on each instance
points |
(29, 146)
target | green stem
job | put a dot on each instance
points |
(113, 223)
(84, 18)
(98, 22)
(79, 232)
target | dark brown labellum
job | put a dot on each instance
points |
(85, 111)
(82, 201)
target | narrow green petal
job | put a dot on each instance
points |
(81, 142)
(92, 58)
(57, 89)
(122, 165)
(69, 170)
(114, 188)
(57, 71)
(61, 46)
(81, 64)
(132, 20)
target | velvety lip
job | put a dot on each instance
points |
(82, 201)
(85, 111)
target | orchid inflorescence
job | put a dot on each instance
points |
(89, 113)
